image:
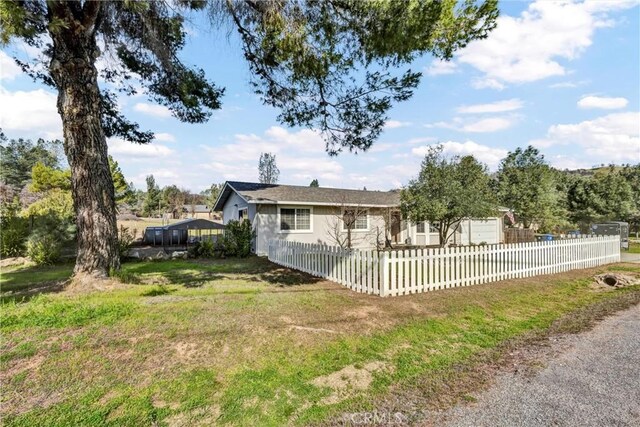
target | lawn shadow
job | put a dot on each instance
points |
(284, 277)
(27, 282)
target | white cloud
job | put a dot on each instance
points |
(164, 137)
(528, 47)
(394, 124)
(568, 84)
(488, 155)
(9, 70)
(602, 102)
(298, 153)
(474, 125)
(422, 140)
(494, 107)
(487, 84)
(493, 124)
(614, 138)
(152, 109)
(439, 67)
(34, 113)
(120, 147)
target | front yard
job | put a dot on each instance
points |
(244, 342)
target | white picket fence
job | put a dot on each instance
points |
(401, 272)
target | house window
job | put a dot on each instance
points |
(356, 220)
(434, 227)
(243, 214)
(420, 227)
(295, 219)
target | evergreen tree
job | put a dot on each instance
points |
(329, 65)
(153, 199)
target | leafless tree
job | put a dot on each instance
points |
(342, 223)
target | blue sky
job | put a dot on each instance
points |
(563, 76)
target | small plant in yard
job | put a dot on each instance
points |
(238, 237)
(13, 230)
(125, 239)
(43, 249)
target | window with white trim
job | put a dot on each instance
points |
(420, 227)
(356, 220)
(295, 219)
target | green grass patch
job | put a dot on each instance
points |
(634, 248)
(247, 346)
(46, 312)
(27, 276)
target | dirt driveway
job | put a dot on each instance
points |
(593, 379)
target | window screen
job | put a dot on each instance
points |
(287, 219)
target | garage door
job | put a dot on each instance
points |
(484, 231)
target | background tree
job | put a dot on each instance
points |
(152, 200)
(268, 172)
(448, 190)
(325, 65)
(174, 199)
(525, 184)
(124, 192)
(211, 194)
(314, 183)
(605, 196)
(139, 39)
(631, 173)
(19, 156)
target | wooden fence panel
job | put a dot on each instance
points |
(401, 272)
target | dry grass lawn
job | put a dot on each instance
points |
(245, 342)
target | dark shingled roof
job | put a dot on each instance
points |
(276, 193)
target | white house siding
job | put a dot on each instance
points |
(471, 231)
(323, 219)
(230, 212)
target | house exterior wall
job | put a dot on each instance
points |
(230, 211)
(325, 223)
(463, 236)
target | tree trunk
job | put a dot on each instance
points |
(74, 72)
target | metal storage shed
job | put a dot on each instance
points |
(178, 233)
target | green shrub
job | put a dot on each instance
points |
(206, 249)
(43, 249)
(49, 235)
(13, 236)
(238, 236)
(125, 239)
(14, 230)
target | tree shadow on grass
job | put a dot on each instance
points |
(285, 277)
(29, 281)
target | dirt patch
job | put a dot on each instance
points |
(11, 262)
(186, 351)
(348, 380)
(615, 280)
(205, 416)
(308, 329)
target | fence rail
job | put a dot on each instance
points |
(401, 272)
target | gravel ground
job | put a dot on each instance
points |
(627, 257)
(593, 380)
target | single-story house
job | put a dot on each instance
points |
(325, 215)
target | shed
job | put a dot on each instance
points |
(182, 232)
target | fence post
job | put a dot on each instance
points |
(384, 276)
